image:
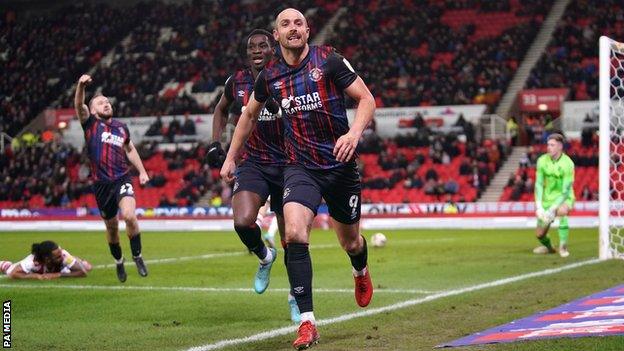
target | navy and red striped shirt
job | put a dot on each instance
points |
(312, 98)
(266, 143)
(105, 147)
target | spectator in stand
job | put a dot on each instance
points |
(174, 129)
(155, 129)
(188, 128)
(165, 202)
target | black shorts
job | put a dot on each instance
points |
(263, 180)
(340, 187)
(108, 195)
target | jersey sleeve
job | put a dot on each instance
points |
(28, 264)
(340, 71)
(88, 122)
(68, 260)
(261, 90)
(127, 141)
(229, 89)
(539, 182)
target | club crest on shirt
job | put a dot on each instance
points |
(316, 74)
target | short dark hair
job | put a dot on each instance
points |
(96, 95)
(260, 31)
(557, 137)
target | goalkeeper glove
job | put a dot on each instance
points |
(215, 155)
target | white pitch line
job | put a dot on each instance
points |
(240, 253)
(373, 311)
(201, 289)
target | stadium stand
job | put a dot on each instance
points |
(437, 48)
(168, 46)
(192, 47)
(571, 60)
(427, 167)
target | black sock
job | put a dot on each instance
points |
(252, 238)
(115, 250)
(358, 261)
(135, 245)
(299, 269)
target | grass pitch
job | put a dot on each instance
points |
(203, 294)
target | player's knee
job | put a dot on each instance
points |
(129, 217)
(295, 233)
(245, 219)
(539, 233)
(351, 246)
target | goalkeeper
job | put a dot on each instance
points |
(554, 195)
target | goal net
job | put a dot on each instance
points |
(611, 148)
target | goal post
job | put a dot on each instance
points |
(611, 146)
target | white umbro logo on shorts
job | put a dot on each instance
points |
(298, 290)
(286, 192)
(235, 186)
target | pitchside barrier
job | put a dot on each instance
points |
(374, 216)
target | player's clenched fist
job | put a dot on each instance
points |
(227, 170)
(345, 147)
(85, 79)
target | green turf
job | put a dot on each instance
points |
(90, 319)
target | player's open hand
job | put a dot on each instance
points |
(143, 178)
(227, 170)
(84, 79)
(345, 147)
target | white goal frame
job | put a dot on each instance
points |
(608, 222)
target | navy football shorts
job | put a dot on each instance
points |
(263, 180)
(108, 195)
(340, 187)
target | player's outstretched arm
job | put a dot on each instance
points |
(135, 159)
(244, 127)
(347, 144)
(82, 111)
(18, 273)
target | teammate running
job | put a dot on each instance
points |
(554, 195)
(109, 148)
(260, 173)
(309, 82)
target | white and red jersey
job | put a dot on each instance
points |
(29, 265)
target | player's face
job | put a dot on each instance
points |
(56, 257)
(259, 51)
(291, 29)
(102, 107)
(554, 148)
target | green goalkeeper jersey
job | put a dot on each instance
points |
(554, 181)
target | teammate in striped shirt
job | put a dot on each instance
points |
(110, 151)
(260, 171)
(310, 82)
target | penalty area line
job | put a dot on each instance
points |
(399, 305)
